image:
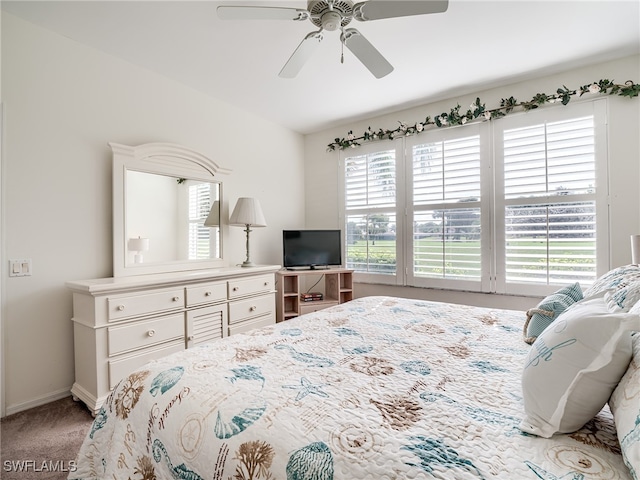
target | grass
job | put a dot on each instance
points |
(463, 257)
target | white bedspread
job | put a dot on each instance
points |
(377, 388)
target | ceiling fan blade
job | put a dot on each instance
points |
(379, 9)
(366, 53)
(238, 12)
(301, 55)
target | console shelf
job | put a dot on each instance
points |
(336, 284)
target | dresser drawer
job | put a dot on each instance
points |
(247, 325)
(251, 307)
(122, 367)
(250, 286)
(142, 334)
(135, 305)
(209, 293)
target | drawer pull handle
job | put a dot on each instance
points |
(207, 294)
(253, 309)
(175, 299)
(120, 307)
(235, 289)
(151, 332)
(266, 284)
(190, 337)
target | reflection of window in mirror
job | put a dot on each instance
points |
(202, 240)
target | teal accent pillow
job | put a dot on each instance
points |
(547, 311)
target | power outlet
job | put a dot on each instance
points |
(20, 267)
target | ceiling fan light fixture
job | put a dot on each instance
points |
(331, 21)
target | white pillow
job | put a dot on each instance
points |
(574, 365)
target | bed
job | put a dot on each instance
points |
(376, 388)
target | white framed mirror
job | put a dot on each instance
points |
(166, 210)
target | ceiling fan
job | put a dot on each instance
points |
(332, 15)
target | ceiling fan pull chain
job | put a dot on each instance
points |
(342, 47)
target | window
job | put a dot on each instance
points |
(370, 212)
(517, 205)
(552, 198)
(446, 208)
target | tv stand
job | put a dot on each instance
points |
(335, 283)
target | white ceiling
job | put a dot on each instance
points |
(476, 44)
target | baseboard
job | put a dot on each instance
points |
(52, 397)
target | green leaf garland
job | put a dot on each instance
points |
(478, 110)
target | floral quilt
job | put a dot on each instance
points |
(376, 388)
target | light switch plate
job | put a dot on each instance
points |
(20, 267)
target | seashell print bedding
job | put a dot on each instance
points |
(376, 388)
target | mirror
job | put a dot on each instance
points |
(166, 210)
(169, 214)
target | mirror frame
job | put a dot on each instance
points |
(164, 159)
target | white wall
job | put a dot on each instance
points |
(323, 176)
(63, 102)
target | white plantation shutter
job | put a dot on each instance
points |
(551, 201)
(446, 171)
(199, 236)
(371, 181)
(550, 159)
(370, 211)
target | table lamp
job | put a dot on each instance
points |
(247, 213)
(138, 245)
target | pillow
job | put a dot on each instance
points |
(625, 406)
(548, 310)
(627, 294)
(574, 366)
(625, 283)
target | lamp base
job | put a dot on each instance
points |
(247, 264)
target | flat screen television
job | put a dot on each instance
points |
(312, 249)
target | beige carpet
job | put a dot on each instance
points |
(42, 443)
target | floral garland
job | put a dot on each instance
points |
(478, 110)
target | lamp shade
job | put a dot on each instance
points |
(138, 244)
(247, 212)
(213, 219)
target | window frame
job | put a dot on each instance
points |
(481, 130)
(376, 278)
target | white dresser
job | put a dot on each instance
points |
(119, 324)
